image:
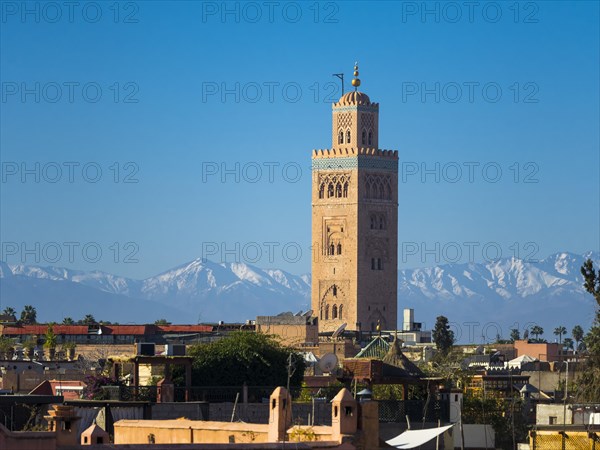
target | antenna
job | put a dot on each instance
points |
(341, 77)
(328, 362)
(308, 313)
(339, 331)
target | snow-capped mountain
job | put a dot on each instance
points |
(500, 295)
(497, 296)
(200, 290)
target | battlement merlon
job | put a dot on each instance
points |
(346, 152)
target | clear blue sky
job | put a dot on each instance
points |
(543, 56)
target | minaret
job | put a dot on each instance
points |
(355, 221)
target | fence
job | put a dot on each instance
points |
(569, 440)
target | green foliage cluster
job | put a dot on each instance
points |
(442, 335)
(588, 383)
(243, 357)
(505, 415)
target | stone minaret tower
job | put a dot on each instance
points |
(355, 221)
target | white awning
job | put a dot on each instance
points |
(414, 438)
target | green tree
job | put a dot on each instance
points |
(537, 331)
(560, 331)
(568, 343)
(515, 335)
(29, 315)
(442, 335)
(162, 322)
(8, 311)
(577, 334)
(242, 357)
(588, 383)
(68, 321)
(88, 320)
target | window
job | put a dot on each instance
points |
(348, 410)
(552, 420)
(331, 250)
(326, 312)
(322, 191)
(334, 312)
(379, 266)
(373, 220)
(348, 140)
(364, 137)
(345, 191)
(341, 137)
(372, 263)
(370, 137)
(330, 190)
(340, 312)
(339, 249)
(381, 223)
(334, 290)
(338, 190)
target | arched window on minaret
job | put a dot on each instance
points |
(331, 249)
(334, 290)
(370, 138)
(341, 137)
(364, 137)
(321, 314)
(340, 312)
(334, 312)
(322, 190)
(326, 312)
(381, 193)
(389, 192)
(368, 189)
(348, 140)
(330, 192)
(373, 221)
(338, 190)
(346, 189)
(381, 223)
(339, 249)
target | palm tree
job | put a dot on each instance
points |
(577, 334)
(89, 320)
(28, 315)
(8, 311)
(568, 343)
(559, 331)
(68, 321)
(537, 331)
(515, 335)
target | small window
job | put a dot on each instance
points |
(332, 249)
(370, 137)
(339, 249)
(338, 190)
(326, 312)
(553, 420)
(334, 312)
(334, 290)
(335, 411)
(340, 312)
(379, 265)
(100, 440)
(348, 140)
(341, 137)
(364, 137)
(455, 397)
(345, 193)
(322, 191)
(348, 410)
(372, 263)
(273, 404)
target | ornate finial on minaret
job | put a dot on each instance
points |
(356, 80)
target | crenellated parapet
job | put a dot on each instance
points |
(344, 152)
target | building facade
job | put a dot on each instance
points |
(355, 221)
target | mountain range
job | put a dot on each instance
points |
(478, 298)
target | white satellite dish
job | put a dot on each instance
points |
(339, 331)
(328, 362)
